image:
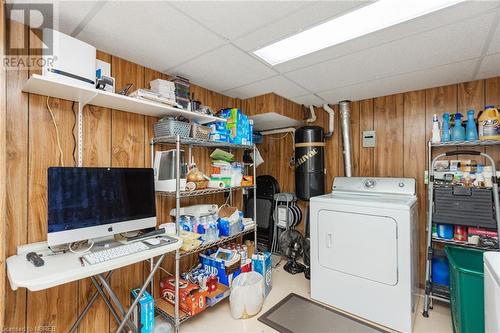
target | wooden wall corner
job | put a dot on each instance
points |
(3, 152)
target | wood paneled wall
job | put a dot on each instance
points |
(403, 125)
(115, 138)
(111, 138)
(3, 156)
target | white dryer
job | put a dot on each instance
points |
(364, 249)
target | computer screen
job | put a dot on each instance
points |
(89, 197)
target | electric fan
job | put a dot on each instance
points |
(307, 258)
(292, 245)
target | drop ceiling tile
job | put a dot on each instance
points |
(495, 42)
(431, 77)
(457, 42)
(152, 34)
(490, 66)
(309, 99)
(307, 17)
(277, 84)
(71, 13)
(223, 69)
(457, 13)
(231, 19)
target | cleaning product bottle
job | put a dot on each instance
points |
(489, 124)
(445, 133)
(470, 130)
(458, 131)
(436, 134)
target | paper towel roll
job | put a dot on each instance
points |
(170, 228)
(216, 184)
(190, 186)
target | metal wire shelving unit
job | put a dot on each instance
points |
(169, 311)
(435, 291)
(207, 191)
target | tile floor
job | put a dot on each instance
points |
(218, 319)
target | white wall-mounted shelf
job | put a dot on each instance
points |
(38, 84)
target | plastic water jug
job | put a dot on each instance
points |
(445, 135)
(471, 130)
(458, 131)
(489, 123)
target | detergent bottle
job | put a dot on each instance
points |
(470, 129)
(458, 131)
(445, 135)
(489, 123)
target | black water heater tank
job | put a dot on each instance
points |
(309, 162)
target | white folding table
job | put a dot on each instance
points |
(67, 267)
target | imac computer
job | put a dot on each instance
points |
(90, 203)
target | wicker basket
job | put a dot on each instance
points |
(172, 127)
(200, 132)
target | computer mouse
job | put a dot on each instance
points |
(152, 241)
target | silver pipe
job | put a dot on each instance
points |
(345, 123)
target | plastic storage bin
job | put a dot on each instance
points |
(466, 289)
(200, 131)
(170, 127)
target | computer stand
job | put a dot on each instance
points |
(122, 317)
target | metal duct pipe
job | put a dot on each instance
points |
(345, 123)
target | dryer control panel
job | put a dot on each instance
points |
(379, 185)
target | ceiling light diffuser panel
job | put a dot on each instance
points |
(373, 17)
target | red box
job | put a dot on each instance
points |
(247, 266)
(192, 299)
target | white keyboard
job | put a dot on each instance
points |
(114, 252)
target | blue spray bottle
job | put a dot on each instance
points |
(458, 131)
(445, 135)
(471, 129)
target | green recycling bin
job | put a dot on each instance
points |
(466, 289)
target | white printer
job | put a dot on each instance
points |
(70, 61)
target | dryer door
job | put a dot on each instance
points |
(360, 245)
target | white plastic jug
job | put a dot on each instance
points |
(247, 295)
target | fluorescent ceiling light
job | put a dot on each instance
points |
(376, 16)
